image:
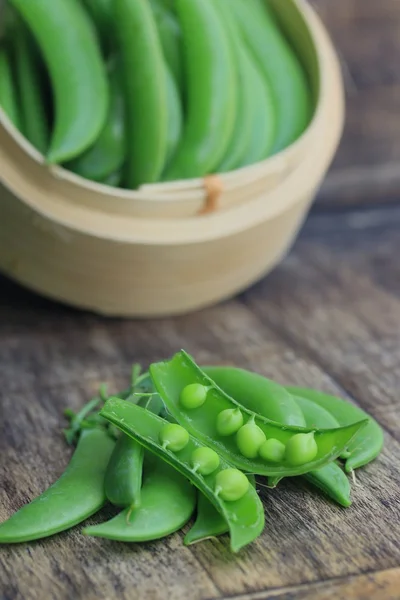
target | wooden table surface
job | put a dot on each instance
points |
(328, 317)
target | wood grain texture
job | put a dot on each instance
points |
(328, 318)
(383, 585)
(367, 35)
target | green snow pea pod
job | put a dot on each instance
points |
(168, 501)
(123, 478)
(113, 180)
(78, 494)
(368, 442)
(330, 479)
(209, 522)
(281, 68)
(107, 155)
(242, 132)
(175, 117)
(35, 124)
(70, 48)
(171, 39)
(170, 378)
(143, 67)
(101, 14)
(245, 516)
(255, 130)
(254, 391)
(211, 103)
(8, 94)
(264, 117)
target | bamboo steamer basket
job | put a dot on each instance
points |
(152, 252)
(187, 198)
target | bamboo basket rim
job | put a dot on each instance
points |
(181, 191)
(132, 229)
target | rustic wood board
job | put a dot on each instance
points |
(367, 36)
(328, 317)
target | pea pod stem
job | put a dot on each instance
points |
(77, 418)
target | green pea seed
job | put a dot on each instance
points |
(193, 396)
(174, 437)
(229, 421)
(205, 461)
(249, 439)
(272, 451)
(231, 484)
(301, 448)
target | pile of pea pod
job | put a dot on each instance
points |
(185, 440)
(129, 92)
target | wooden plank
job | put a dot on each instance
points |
(328, 318)
(33, 454)
(366, 34)
(299, 521)
(384, 585)
(341, 317)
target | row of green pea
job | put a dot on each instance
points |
(184, 441)
(250, 438)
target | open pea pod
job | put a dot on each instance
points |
(366, 444)
(172, 377)
(245, 516)
(271, 400)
